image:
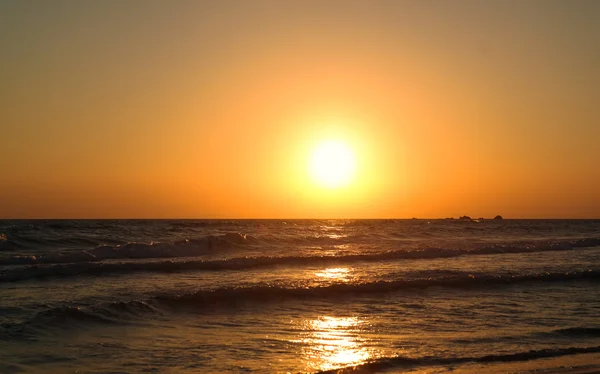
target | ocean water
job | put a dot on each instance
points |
(273, 296)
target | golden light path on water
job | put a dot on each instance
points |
(330, 342)
(333, 342)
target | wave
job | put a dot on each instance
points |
(60, 317)
(8, 245)
(16, 242)
(73, 317)
(72, 268)
(96, 268)
(578, 332)
(82, 241)
(390, 363)
(183, 248)
(569, 333)
(460, 280)
(227, 297)
(161, 249)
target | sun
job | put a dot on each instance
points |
(332, 164)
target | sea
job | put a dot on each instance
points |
(298, 296)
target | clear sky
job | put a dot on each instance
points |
(214, 108)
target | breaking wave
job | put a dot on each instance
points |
(233, 296)
(89, 263)
(460, 280)
(390, 363)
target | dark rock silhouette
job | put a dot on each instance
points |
(465, 218)
(498, 217)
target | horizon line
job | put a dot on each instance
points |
(292, 219)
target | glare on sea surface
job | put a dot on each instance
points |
(334, 342)
(334, 274)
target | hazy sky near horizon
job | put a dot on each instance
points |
(211, 108)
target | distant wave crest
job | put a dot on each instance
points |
(184, 248)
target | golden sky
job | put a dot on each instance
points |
(213, 109)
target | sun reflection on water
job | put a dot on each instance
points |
(341, 274)
(333, 342)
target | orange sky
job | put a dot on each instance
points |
(209, 109)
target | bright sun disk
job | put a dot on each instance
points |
(332, 164)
